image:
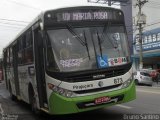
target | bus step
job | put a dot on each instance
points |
(44, 109)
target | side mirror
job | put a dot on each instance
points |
(41, 25)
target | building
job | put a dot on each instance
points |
(150, 36)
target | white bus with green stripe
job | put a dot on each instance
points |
(71, 60)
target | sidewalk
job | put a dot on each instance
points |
(155, 84)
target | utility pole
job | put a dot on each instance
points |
(141, 20)
(109, 2)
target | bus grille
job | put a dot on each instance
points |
(97, 89)
(89, 77)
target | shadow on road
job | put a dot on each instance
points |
(101, 114)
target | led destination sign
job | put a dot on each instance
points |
(74, 15)
(80, 16)
(89, 16)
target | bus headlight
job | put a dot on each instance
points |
(69, 94)
(127, 83)
(61, 91)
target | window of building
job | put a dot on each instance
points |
(158, 37)
(142, 40)
(137, 41)
(149, 39)
(145, 39)
(154, 37)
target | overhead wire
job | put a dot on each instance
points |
(153, 4)
(16, 24)
(113, 2)
(8, 23)
(11, 26)
(28, 6)
(13, 23)
(2, 19)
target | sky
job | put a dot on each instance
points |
(15, 15)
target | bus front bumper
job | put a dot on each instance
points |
(62, 105)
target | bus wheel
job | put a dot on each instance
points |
(13, 98)
(33, 103)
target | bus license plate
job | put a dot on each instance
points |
(102, 100)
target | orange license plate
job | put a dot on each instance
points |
(102, 100)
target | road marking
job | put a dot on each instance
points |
(1, 110)
(146, 91)
(124, 106)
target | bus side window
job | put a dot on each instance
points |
(8, 57)
(11, 56)
(25, 49)
(5, 59)
(20, 51)
(29, 48)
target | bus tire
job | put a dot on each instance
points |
(32, 100)
(13, 98)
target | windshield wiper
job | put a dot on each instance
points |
(75, 34)
(84, 43)
(99, 43)
(105, 30)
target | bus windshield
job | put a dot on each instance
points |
(86, 48)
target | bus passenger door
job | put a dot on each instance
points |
(15, 68)
(39, 65)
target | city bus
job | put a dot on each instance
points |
(70, 60)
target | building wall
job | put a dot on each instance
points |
(151, 35)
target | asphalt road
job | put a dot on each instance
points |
(147, 103)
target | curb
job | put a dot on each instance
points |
(155, 84)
